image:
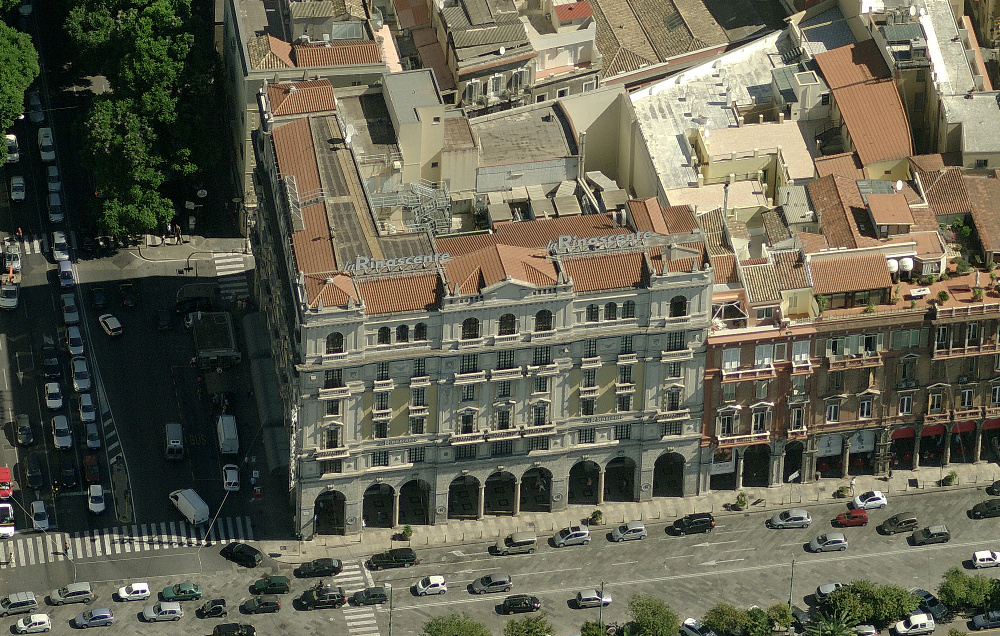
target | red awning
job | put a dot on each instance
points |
(927, 431)
(903, 433)
(994, 423)
(964, 427)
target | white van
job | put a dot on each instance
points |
(66, 274)
(191, 505)
(55, 207)
(175, 441)
(229, 442)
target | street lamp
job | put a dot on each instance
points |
(390, 607)
(791, 585)
(600, 614)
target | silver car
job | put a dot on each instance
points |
(828, 542)
(592, 598)
(492, 583)
(633, 530)
(97, 617)
(574, 535)
(794, 518)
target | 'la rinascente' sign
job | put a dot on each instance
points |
(568, 244)
(365, 265)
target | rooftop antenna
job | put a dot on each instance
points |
(899, 185)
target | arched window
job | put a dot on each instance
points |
(628, 309)
(508, 325)
(384, 335)
(335, 342)
(470, 329)
(403, 333)
(678, 306)
(593, 313)
(543, 320)
(611, 311)
(420, 331)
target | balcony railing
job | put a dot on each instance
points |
(680, 355)
(470, 378)
(590, 363)
(325, 454)
(493, 435)
(856, 361)
(802, 366)
(543, 369)
(507, 374)
(622, 388)
(755, 373)
(384, 385)
(743, 438)
(535, 431)
(937, 418)
(470, 343)
(456, 439)
(673, 416)
(961, 311)
(419, 410)
(969, 413)
(334, 393)
(628, 358)
(797, 433)
(541, 336)
(381, 415)
(420, 381)
(985, 348)
(589, 391)
(507, 338)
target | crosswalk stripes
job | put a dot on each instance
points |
(36, 549)
(360, 620)
(230, 270)
(35, 246)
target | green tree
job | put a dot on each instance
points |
(780, 615)
(878, 605)
(756, 622)
(592, 628)
(832, 623)
(652, 617)
(455, 625)
(18, 69)
(962, 592)
(725, 618)
(528, 626)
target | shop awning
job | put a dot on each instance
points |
(964, 427)
(936, 429)
(903, 433)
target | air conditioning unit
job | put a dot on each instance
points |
(963, 379)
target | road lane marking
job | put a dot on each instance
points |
(707, 544)
(738, 550)
(625, 563)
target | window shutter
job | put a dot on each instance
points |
(894, 340)
(881, 342)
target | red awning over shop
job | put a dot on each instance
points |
(927, 431)
(963, 427)
(994, 423)
(904, 433)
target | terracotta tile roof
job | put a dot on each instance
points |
(889, 209)
(680, 219)
(685, 257)
(849, 272)
(837, 203)
(944, 190)
(713, 224)
(333, 291)
(866, 95)
(984, 194)
(846, 164)
(622, 270)
(790, 269)
(649, 216)
(812, 243)
(475, 271)
(267, 52)
(725, 269)
(929, 244)
(392, 294)
(299, 98)
(774, 226)
(567, 12)
(761, 283)
(339, 53)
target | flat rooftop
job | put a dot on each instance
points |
(742, 194)
(979, 116)
(523, 135)
(410, 90)
(946, 49)
(794, 138)
(373, 130)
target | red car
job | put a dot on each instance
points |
(91, 470)
(853, 517)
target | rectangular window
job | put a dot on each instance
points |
(798, 385)
(674, 400)
(760, 389)
(833, 412)
(941, 337)
(729, 392)
(967, 398)
(995, 394)
(468, 423)
(921, 75)
(562, 92)
(418, 397)
(727, 424)
(934, 403)
(496, 84)
(865, 410)
(671, 428)
(502, 448)
(763, 356)
(765, 313)
(331, 466)
(627, 345)
(416, 455)
(836, 380)
(800, 351)
(382, 401)
(542, 356)
(905, 404)
(503, 419)
(625, 402)
(798, 419)
(539, 414)
(982, 163)
(587, 406)
(676, 341)
(972, 334)
(590, 348)
(380, 458)
(380, 430)
(673, 370)
(541, 98)
(623, 431)
(779, 351)
(334, 379)
(419, 367)
(587, 435)
(824, 99)
(417, 425)
(541, 385)
(590, 377)
(505, 359)
(759, 421)
(468, 392)
(625, 375)
(333, 407)
(731, 359)
(589, 86)
(463, 453)
(470, 363)
(382, 371)
(333, 437)
(503, 389)
(538, 444)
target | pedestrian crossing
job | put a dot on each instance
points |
(231, 273)
(35, 246)
(27, 550)
(360, 619)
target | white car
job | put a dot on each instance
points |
(9, 296)
(985, 559)
(95, 499)
(794, 518)
(62, 434)
(165, 611)
(60, 248)
(81, 374)
(592, 598)
(71, 314)
(431, 585)
(110, 325)
(631, 531)
(13, 256)
(35, 112)
(914, 625)
(138, 591)
(17, 188)
(7, 528)
(694, 627)
(93, 436)
(39, 517)
(55, 207)
(870, 500)
(231, 477)
(53, 396)
(88, 413)
(13, 153)
(33, 624)
(75, 341)
(45, 145)
(55, 183)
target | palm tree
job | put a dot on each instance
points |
(833, 623)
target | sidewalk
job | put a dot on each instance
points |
(153, 248)
(658, 510)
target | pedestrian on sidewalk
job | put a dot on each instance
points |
(854, 480)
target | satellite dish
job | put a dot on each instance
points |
(913, 10)
(899, 185)
(503, 50)
(349, 133)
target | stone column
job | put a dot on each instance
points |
(600, 484)
(947, 449)
(778, 466)
(517, 496)
(979, 443)
(916, 450)
(482, 500)
(395, 508)
(845, 458)
(739, 467)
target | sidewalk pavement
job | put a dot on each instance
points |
(154, 248)
(657, 510)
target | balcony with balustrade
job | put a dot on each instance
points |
(862, 360)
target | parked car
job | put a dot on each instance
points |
(986, 620)
(17, 188)
(62, 434)
(81, 374)
(215, 608)
(319, 567)
(98, 299)
(45, 145)
(33, 624)
(931, 534)
(271, 585)
(13, 150)
(914, 625)
(986, 509)
(67, 474)
(520, 604)
(322, 596)
(633, 530)
(72, 593)
(985, 559)
(7, 527)
(370, 596)
(433, 584)
(231, 478)
(110, 325)
(91, 469)
(574, 535)
(853, 517)
(265, 604)
(694, 627)
(165, 611)
(824, 591)
(25, 434)
(394, 558)
(33, 472)
(88, 415)
(35, 112)
(994, 488)
(129, 294)
(592, 598)
(234, 629)
(930, 604)
(866, 630)
(794, 518)
(53, 179)
(97, 617)
(93, 436)
(95, 499)
(138, 591)
(492, 583)
(13, 256)
(71, 314)
(828, 542)
(242, 554)
(870, 500)
(60, 247)
(53, 396)
(696, 522)
(50, 363)
(185, 591)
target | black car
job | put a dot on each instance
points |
(25, 436)
(242, 554)
(931, 534)
(985, 509)
(319, 567)
(370, 596)
(262, 604)
(994, 488)
(395, 558)
(693, 523)
(97, 298)
(164, 321)
(67, 474)
(215, 608)
(234, 629)
(188, 305)
(520, 604)
(50, 363)
(322, 596)
(129, 294)
(931, 605)
(33, 472)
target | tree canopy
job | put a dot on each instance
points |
(536, 625)
(832, 622)
(962, 592)
(455, 625)
(879, 605)
(651, 616)
(18, 69)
